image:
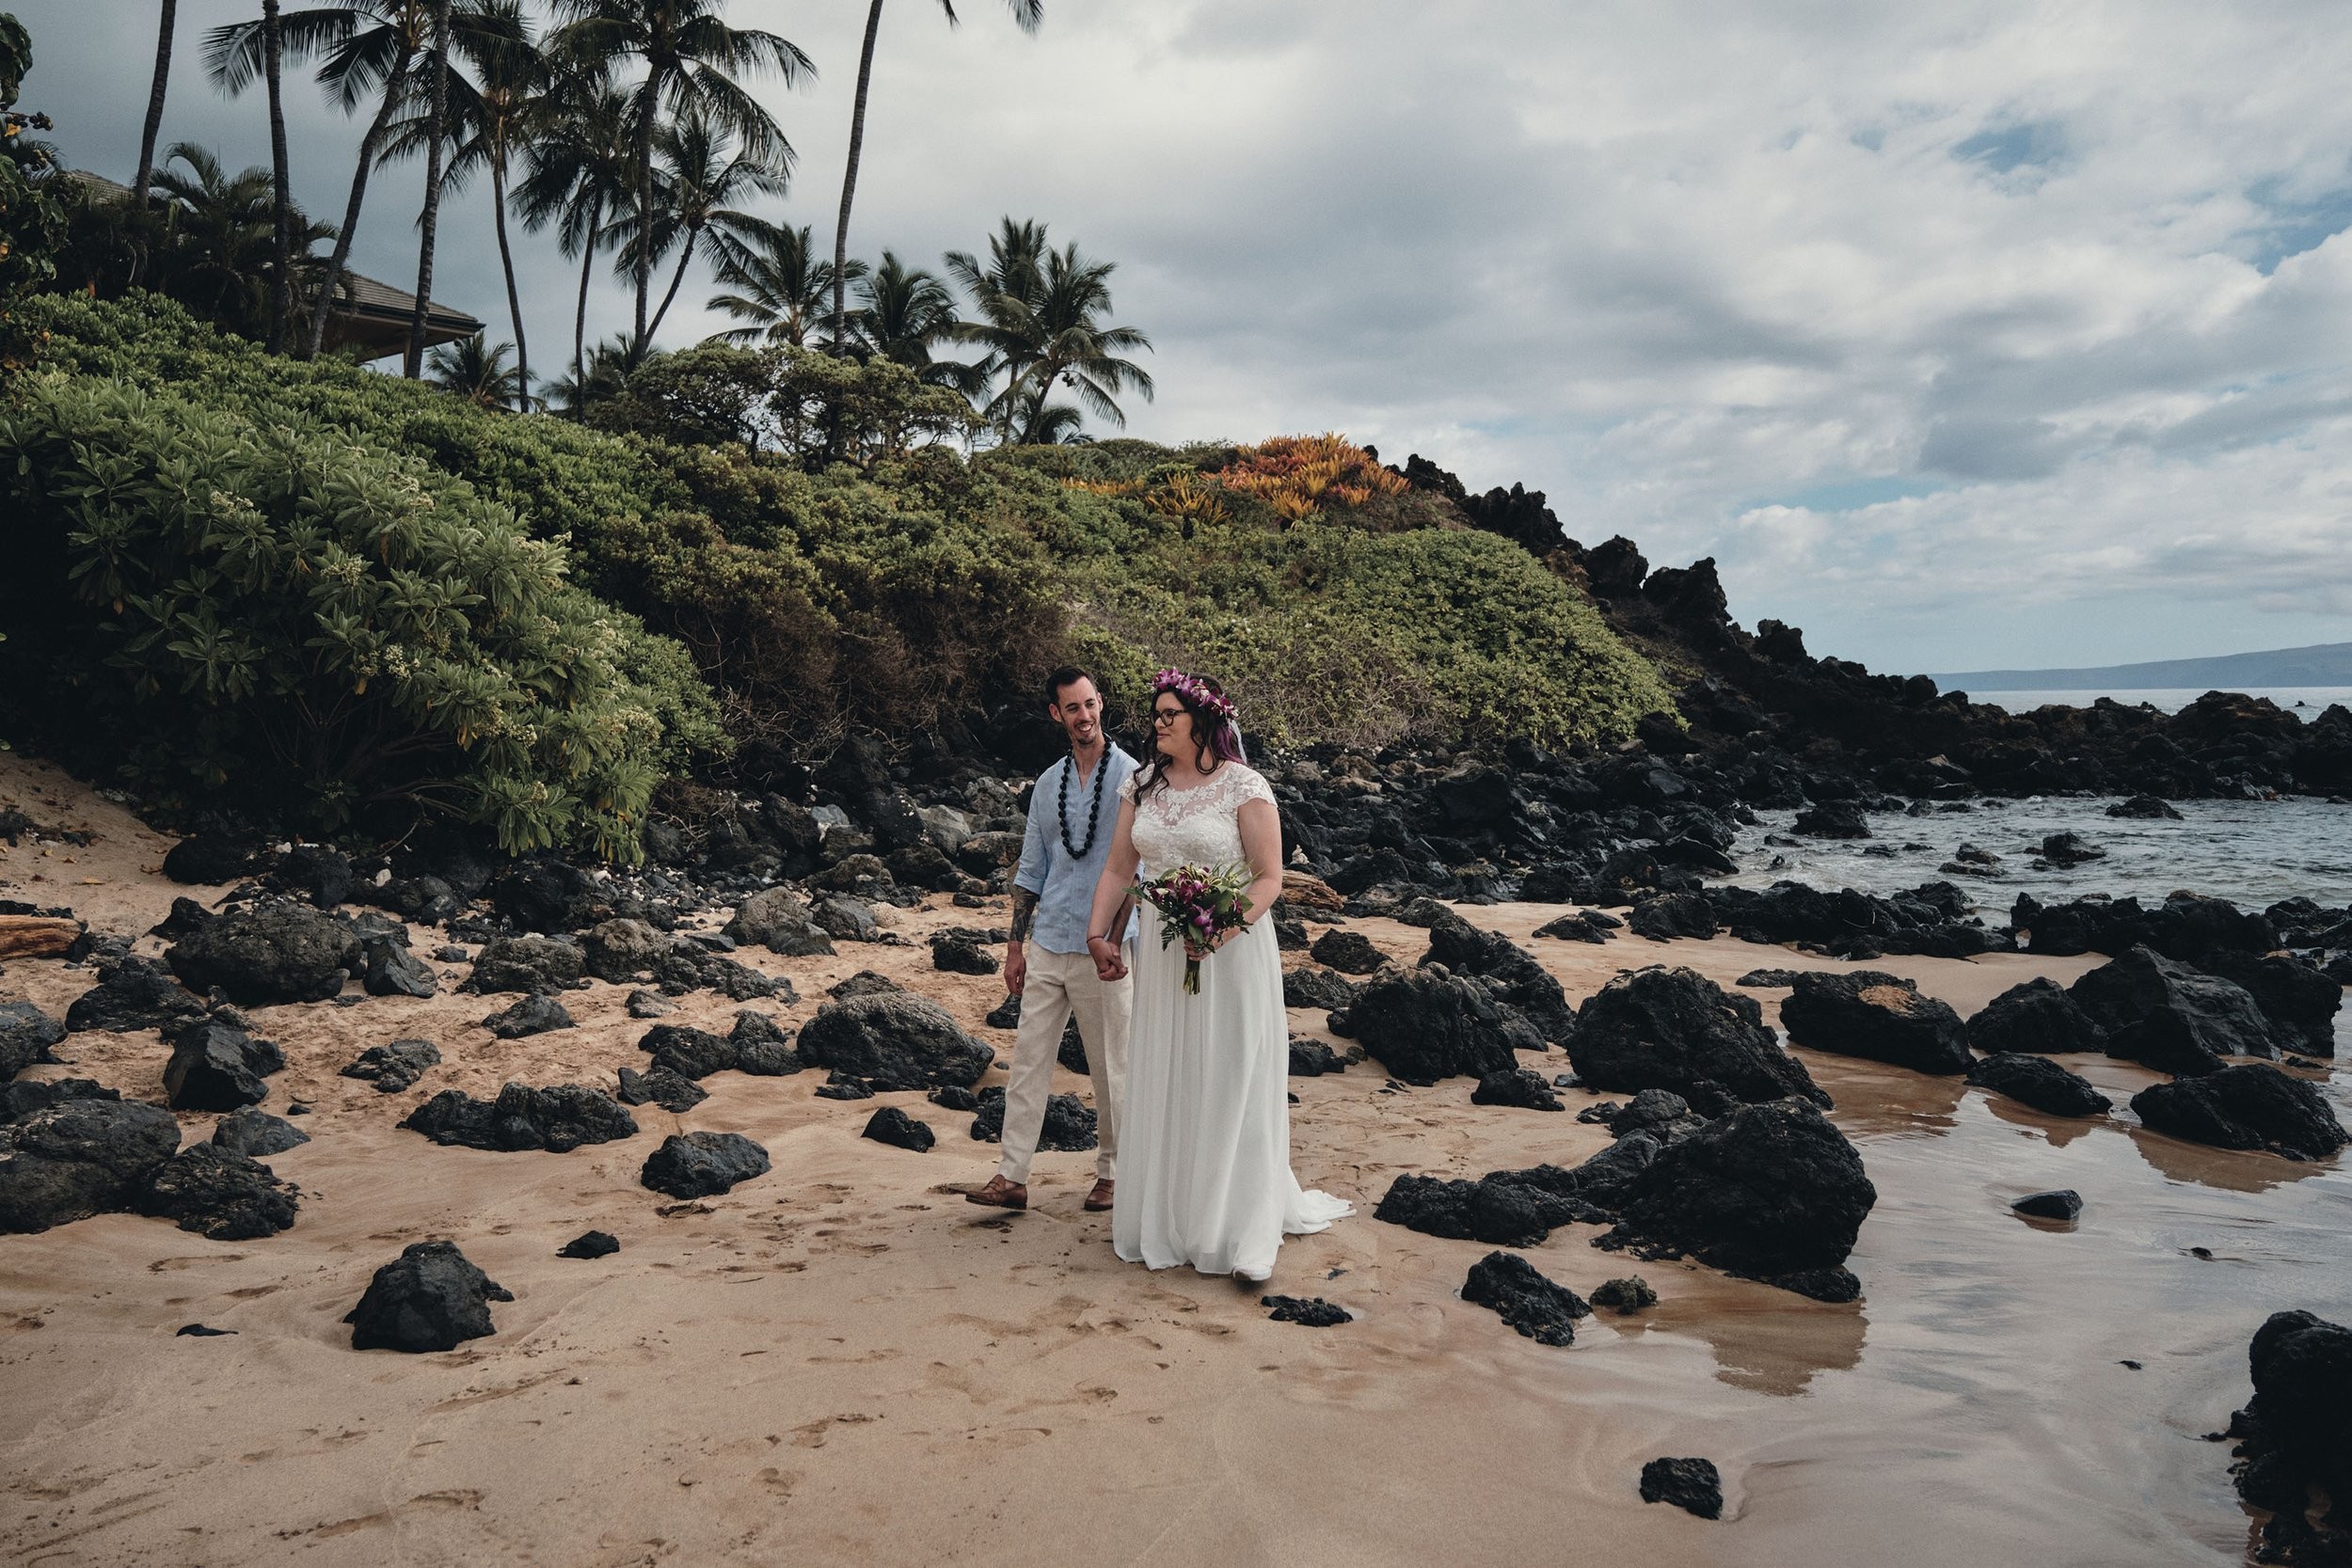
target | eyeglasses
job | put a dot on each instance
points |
(1167, 714)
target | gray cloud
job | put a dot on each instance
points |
(2070, 286)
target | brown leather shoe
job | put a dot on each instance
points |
(1000, 1194)
(1099, 1200)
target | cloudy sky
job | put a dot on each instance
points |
(1963, 336)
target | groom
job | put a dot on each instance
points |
(1072, 810)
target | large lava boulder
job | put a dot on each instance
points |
(257, 1134)
(1312, 986)
(26, 1033)
(689, 1051)
(1834, 819)
(1771, 1191)
(80, 1157)
(1428, 1024)
(2300, 1002)
(1660, 1028)
(218, 1066)
(1540, 1308)
(2251, 1106)
(2161, 1012)
(620, 950)
(778, 919)
(133, 994)
(703, 1164)
(532, 963)
(2040, 1017)
(894, 1040)
(276, 951)
(2040, 1083)
(1509, 970)
(1496, 1213)
(429, 1298)
(1879, 1017)
(558, 1119)
(2296, 1430)
(220, 1194)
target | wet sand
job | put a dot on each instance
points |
(843, 1362)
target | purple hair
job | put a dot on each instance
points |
(1215, 737)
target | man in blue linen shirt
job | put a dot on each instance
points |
(1072, 810)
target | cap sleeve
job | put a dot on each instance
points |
(1127, 787)
(1251, 785)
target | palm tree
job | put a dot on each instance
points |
(603, 374)
(906, 313)
(782, 290)
(1027, 14)
(698, 176)
(230, 54)
(221, 259)
(436, 138)
(478, 373)
(489, 115)
(165, 25)
(691, 60)
(578, 174)
(1040, 322)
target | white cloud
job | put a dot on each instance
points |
(2060, 280)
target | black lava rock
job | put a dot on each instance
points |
(26, 1033)
(218, 1066)
(2297, 1433)
(2300, 1002)
(1660, 1028)
(1625, 1296)
(1540, 1309)
(703, 1164)
(219, 1195)
(959, 955)
(1306, 1311)
(1070, 1122)
(2069, 850)
(1580, 926)
(1771, 1191)
(212, 859)
(79, 1157)
(1691, 1484)
(2251, 1106)
(389, 969)
(25, 1096)
(2171, 1016)
(1835, 820)
(842, 1086)
(1877, 1017)
(527, 963)
(557, 1119)
(532, 1015)
(687, 1052)
(2040, 1083)
(1674, 914)
(257, 1134)
(1005, 1015)
(395, 1067)
(1313, 1059)
(2040, 1017)
(277, 952)
(2062, 1203)
(659, 1085)
(763, 1049)
(1508, 970)
(1519, 1088)
(1312, 987)
(1349, 952)
(894, 1039)
(1496, 1213)
(133, 994)
(618, 951)
(1427, 1023)
(430, 1298)
(2147, 807)
(589, 1244)
(892, 1126)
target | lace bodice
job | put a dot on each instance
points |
(1201, 826)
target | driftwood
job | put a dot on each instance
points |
(1301, 891)
(36, 936)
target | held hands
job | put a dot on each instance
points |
(1109, 963)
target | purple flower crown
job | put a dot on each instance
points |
(1191, 688)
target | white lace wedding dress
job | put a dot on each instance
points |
(1204, 1143)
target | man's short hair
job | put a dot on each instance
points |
(1067, 675)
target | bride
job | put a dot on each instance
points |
(1205, 1167)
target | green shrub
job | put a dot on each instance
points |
(268, 614)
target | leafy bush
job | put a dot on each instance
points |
(221, 606)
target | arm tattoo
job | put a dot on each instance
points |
(1024, 910)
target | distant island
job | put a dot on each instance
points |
(2322, 664)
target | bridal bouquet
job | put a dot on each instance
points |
(1197, 905)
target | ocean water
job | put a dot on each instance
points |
(2254, 853)
(2304, 702)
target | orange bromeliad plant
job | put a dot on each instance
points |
(1299, 475)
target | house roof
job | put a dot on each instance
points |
(370, 316)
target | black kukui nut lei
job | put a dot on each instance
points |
(1094, 807)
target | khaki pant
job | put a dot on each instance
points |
(1062, 985)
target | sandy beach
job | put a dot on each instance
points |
(843, 1362)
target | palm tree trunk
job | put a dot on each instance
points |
(155, 103)
(415, 366)
(395, 86)
(677, 278)
(506, 260)
(849, 176)
(282, 285)
(580, 315)
(644, 203)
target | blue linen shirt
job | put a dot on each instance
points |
(1064, 884)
